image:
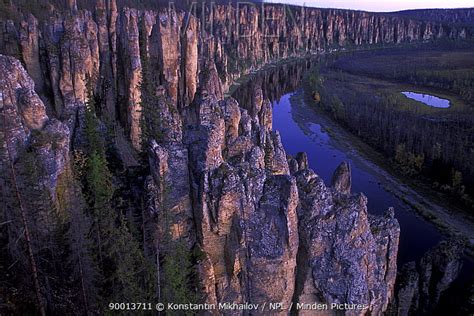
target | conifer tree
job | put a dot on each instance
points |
(34, 228)
(177, 274)
(176, 258)
(19, 234)
(81, 264)
(37, 231)
(47, 230)
(150, 122)
(126, 276)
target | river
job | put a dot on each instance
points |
(304, 129)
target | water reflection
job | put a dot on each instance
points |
(274, 82)
(303, 129)
(427, 99)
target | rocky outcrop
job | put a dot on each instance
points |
(131, 67)
(250, 217)
(191, 62)
(458, 16)
(22, 109)
(104, 49)
(25, 125)
(219, 169)
(240, 213)
(438, 269)
(386, 233)
(407, 294)
(358, 251)
(420, 285)
(74, 55)
(341, 180)
(29, 43)
(267, 226)
(169, 169)
(106, 17)
(169, 45)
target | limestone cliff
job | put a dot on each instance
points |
(349, 256)
(267, 226)
(252, 219)
(420, 285)
(103, 49)
(25, 124)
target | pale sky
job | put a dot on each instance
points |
(381, 5)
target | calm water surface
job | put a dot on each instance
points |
(427, 99)
(326, 153)
(303, 129)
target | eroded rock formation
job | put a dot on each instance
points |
(24, 123)
(268, 227)
(420, 285)
(103, 49)
(341, 180)
(229, 187)
(349, 254)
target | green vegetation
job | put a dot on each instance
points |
(33, 233)
(174, 263)
(410, 163)
(362, 91)
(42, 9)
(449, 71)
(76, 249)
(177, 273)
(150, 121)
(125, 273)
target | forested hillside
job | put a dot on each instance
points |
(456, 16)
(363, 91)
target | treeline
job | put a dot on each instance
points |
(453, 16)
(439, 148)
(444, 70)
(42, 9)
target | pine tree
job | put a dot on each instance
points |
(80, 261)
(47, 230)
(177, 274)
(19, 233)
(34, 228)
(38, 236)
(150, 121)
(133, 278)
(126, 275)
(176, 259)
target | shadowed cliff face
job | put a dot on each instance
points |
(346, 256)
(253, 211)
(421, 285)
(218, 167)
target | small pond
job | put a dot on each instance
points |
(301, 129)
(327, 144)
(427, 99)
